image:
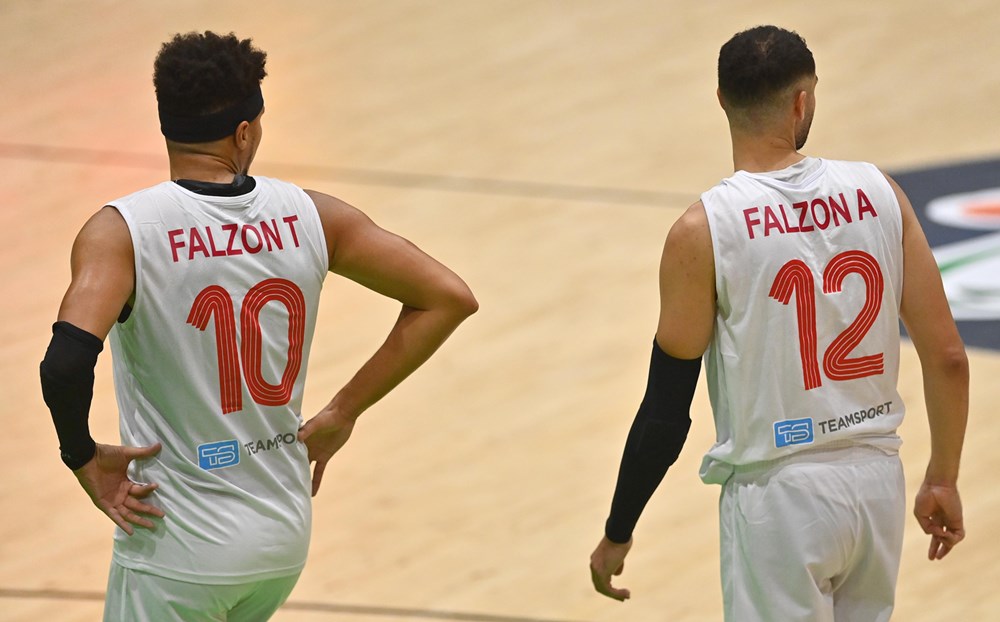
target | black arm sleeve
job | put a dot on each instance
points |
(68, 387)
(655, 440)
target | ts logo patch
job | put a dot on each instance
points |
(218, 455)
(793, 432)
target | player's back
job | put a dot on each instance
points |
(211, 363)
(805, 351)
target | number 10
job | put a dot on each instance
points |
(214, 300)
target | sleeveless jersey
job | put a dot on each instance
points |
(808, 278)
(211, 363)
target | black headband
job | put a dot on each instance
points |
(209, 127)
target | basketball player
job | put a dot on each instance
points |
(209, 285)
(790, 278)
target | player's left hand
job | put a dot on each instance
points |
(609, 559)
(324, 435)
(939, 511)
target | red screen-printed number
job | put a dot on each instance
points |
(216, 301)
(795, 277)
(836, 364)
(288, 294)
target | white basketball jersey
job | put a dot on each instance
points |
(809, 273)
(211, 363)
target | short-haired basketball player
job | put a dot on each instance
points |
(209, 285)
(790, 277)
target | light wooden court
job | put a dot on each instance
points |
(542, 149)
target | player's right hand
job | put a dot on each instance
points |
(609, 559)
(105, 478)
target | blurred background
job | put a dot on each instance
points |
(542, 149)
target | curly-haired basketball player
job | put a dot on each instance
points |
(791, 277)
(208, 285)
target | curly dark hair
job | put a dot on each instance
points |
(200, 73)
(757, 64)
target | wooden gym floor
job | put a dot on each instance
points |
(540, 148)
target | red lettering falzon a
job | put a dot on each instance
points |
(174, 242)
(840, 209)
(801, 208)
(865, 205)
(771, 221)
(825, 222)
(751, 222)
(784, 216)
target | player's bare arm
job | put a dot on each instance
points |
(686, 322)
(435, 301)
(687, 287)
(927, 316)
(103, 277)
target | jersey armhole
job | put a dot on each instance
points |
(138, 290)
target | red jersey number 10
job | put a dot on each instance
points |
(796, 278)
(214, 301)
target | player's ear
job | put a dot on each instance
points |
(242, 135)
(799, 104)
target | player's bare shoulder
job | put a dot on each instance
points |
(690, 239)
(341, 221)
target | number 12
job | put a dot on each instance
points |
(795, 277)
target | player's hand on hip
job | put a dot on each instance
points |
(609, 559)
(324, 435)
(106, 480)
(939, 511)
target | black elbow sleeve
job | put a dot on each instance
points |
(655, 440)
(67, 375)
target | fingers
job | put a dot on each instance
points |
(608, 560)
(135, 505)
(602, 583)
(116, 516)
(306, 430)
(318, 475)
(134, 453)
(942, 544)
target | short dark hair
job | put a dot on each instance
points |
(757, 64)
(201, 73)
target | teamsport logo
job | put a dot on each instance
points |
(793, 432)
(959, 209)
(267, 444)
(218, 455)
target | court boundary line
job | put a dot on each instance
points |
(371, 177)
(308, 606)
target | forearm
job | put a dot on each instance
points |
(655, 440)
(417, 334)
(946, 392)
(67, 378)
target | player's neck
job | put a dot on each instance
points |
(760, 153)
(207, 167)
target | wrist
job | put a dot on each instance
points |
(341, 415)
(77, 456)
(937, 475)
